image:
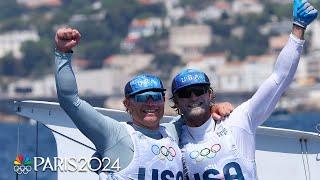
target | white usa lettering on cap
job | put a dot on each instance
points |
(190, 78)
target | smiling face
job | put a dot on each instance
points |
(145, 114)
(194, 104)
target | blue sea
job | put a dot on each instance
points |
(46, 143)
(27, 147)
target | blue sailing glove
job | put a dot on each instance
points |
(303, 13)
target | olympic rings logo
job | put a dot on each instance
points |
(22, 169)
(205, 152)
(163, 152)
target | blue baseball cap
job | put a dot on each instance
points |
(143, 83)
(189, 77)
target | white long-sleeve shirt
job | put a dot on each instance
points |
(242, 123)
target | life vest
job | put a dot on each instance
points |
(215, 157)
(152, 160)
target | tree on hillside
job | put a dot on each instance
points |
(10, 9)
(163, 64)
(9, 66)
(38, 57)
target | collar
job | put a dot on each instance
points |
(199, 132)
(154, 134)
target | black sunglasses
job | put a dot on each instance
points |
(198, 91)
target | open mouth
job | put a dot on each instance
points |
(149, 111)
(194, 105)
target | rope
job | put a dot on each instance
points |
(18, 136)
(37, 145)
(18, 142)
(304, 165)
(70, 138)
(306, 145)
(318, 129)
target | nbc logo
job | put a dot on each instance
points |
(22, 165)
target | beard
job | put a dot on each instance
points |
(197, 114)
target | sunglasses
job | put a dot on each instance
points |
(186, 93)
(143, 97)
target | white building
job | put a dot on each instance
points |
(144, 27)
(11, 41)
(309, 67)
(209, 64)
(229, 78)
(209, 13)
(276, 43)
(235, 76)
(90, 83)
(128, 64)
(174, 12)
(302, 74)
(190, 40)
(210, 61)
(247, 7)
(39, 3)
(32, 88)
(315, 41)
(256, 71)
(244, 76)
(140, 28)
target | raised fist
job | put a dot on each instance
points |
(66, 39)
(303, 13)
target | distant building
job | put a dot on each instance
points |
(148, 2)
(315, 41)
(80, 64)
(144, 27)
(281, 1)
(282, 27)
(244, 76)
(77, 18)
(309, 69)
(209, 13)
(238, 32)
(90, 83)
(214, 11)
(313, 65)
(235, 76)
(276, 43)
(247, 7)
(140, 28)
(129, 43)
(174, 11)
(256, 69)
(314, 98)
(11, 41)
(302, 74)
(128, 64)
(209, 64)
(222, 5)
(39, 3)
(190, 40)
(32, 88)
(212, 61)
(229, 78)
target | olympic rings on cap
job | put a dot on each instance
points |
(22, 169)
(205, 152)
(163, 152)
